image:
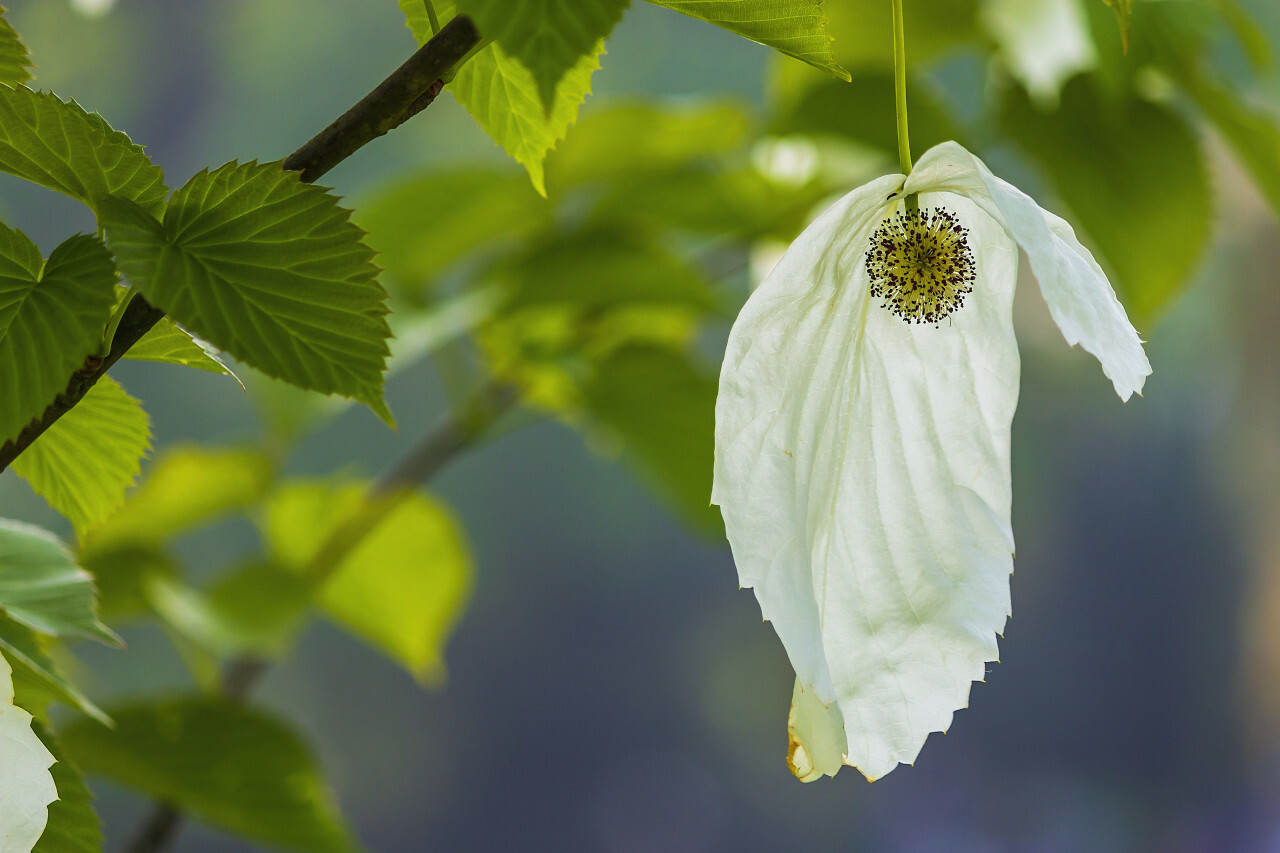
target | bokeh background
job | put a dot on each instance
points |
(610, 688)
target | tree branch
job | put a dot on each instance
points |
(409, 89)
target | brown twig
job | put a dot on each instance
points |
(408, 90)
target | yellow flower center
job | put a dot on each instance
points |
(921, 265)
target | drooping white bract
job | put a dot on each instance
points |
(862, 463)
(26, 786)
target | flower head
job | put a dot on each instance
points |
(862, 463)
(920, 264)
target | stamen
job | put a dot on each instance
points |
(921, 265)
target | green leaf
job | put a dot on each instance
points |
(403, 587)
(169, 343)
(58, 145)
(1124, 12)
(797, 28)
(600, 267)
(73, 827)
(1134, 179)
(548, 37)
(847, 110)
(421, 226)
(51, 317)
(122, 574)
(267, 268)
(15, 62)
(1252, 132)
(502, 96)
(256, 609)
(662, 409)
(864, 31)
(83, 464)
(42, 587)
(187, 487)
(655, 139)
(232, 766)
(36, 678)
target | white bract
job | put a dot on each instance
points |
(862, 462)
(26, 785)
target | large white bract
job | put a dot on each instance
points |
(26, 785)
(862, 463)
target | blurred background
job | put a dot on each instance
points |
(609, 687)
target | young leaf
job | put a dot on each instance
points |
(83, 464)
(548, 37)
(169, 343)
(51, 317)
(655, 139)
(42, 587)
(267, 268)
(795, 27)
(26, 786)
(402, 589)
(1102, 158)
(36, 678)
(186, 487)
(235, 767)
(663, 410)
(416, 240)
(502, 96)
(15, 62)
(73, 825)
(56, 144)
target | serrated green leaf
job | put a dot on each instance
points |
(797, 28)
(15, 62)
(1124, 14)
(42, 586)
(36, 678)
(187, 487)
(1133, 176)
(655, 139)
(403, 587)
(1252, 132)
(662, 409)
(51, 317)
(56, 144)
(83, 464)
(548, 37)
(267, 268)
(169, 343)
(232, 766)
(416, 239)
(502, 96)
(73, 826)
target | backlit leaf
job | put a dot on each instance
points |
(267, 268)
(15, 62)
(797, 28)
(42, 587)
(51, 317)
(547, 36)
(233, 766)
(83, 464)
(169, 343)
(403, 587)
(56, 144)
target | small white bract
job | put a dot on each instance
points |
(26, 785)
(862, 463)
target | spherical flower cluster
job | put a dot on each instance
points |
(921, 265)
